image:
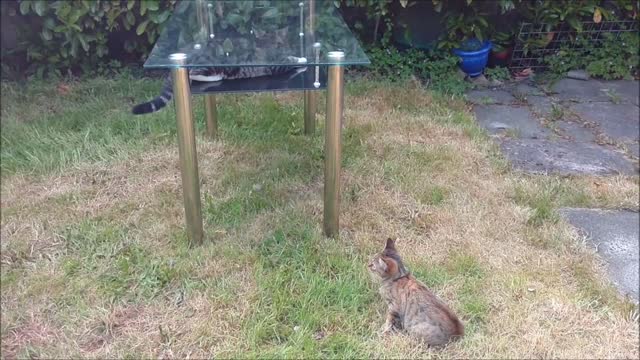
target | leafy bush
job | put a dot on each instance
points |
(439, 70)
(72, 35)
(616, 58)
(554, 12)
(57, 36)
(611, 58)
(497, 73)
(378, 11)
(462, 26)
(390, 63)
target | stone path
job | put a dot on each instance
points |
(614, 235)
(579, 127)
(575, 127)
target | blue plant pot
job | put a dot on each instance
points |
(474, 62)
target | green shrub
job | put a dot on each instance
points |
(377, 12)
(443, 75)
(611, 58)
(394, 65)
(498, 73)
(438, 69)
(58, 36)
(615, 58)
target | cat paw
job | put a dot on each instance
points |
(206, 78)
(297, 60)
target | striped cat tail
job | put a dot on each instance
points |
(157, 103)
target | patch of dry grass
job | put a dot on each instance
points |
(95, 262)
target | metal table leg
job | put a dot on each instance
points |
(332, 145)
(211, 114)
(310, 110)
(188, 156)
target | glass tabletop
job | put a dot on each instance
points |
(232, 33)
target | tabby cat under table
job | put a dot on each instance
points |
(218, 74)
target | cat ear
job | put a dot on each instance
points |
(391, 244)
(382, 264)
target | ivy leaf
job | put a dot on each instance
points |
(152, 5)
(63, 11)
(40, 7)
(130, 4)
(437, 5)
(151, 36)
(84, 43)
(131, 19)
(49, 23)
(159, 18)
(576, 24)
(141, 27)
(74, 48)
(478, 34)
(404, 3)
(101, 50)
(46, 34)
(24, 7)
(234, 19)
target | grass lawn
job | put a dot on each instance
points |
(95, 261)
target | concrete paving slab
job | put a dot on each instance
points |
(580, 90)
(527, 90)
(634, 148)
(615, 236)
(541, 105)
(519, 121)
(565, 157)
(618, 121)
(586, 109)
(627, 90)
(576, 131)
(489, 96)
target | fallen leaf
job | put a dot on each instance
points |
(597, 16)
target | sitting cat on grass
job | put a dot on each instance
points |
(412, 307)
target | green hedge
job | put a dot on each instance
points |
(61, 35)
(53, 37)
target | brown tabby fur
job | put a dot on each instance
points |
(412, 307)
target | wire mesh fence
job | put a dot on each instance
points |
(535, 41)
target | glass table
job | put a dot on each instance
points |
(309, 36)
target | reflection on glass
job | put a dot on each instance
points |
(255, 33)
